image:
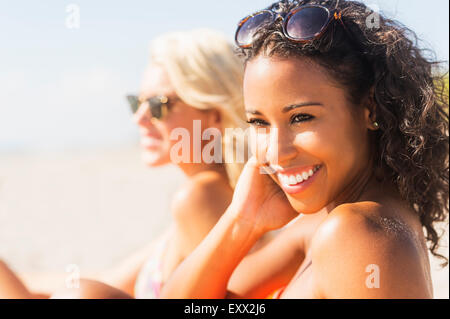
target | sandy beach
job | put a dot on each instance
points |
(91, 209)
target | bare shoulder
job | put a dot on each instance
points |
(367, 220)
(205, 194)
(365, 250)
(197, 207)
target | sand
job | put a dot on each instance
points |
(90, 208)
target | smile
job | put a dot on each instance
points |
(150, 142)
(295, 182)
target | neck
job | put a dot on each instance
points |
(357, 188)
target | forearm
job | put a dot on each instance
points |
(205, 273)
(11, 287)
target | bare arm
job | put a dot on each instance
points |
(205, 273)
(11, 287)
(271, 267)
(122, 276)
(258, 206)
(197, 208)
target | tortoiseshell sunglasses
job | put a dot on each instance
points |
(302, 24)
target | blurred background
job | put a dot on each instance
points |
(72, 187)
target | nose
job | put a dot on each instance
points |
(281, 149)
(142, 116)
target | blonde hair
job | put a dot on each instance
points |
(206, 74)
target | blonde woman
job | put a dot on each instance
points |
(193, 80)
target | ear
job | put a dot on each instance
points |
(370, 112)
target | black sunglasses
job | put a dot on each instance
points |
(302, 24)
(158, 105)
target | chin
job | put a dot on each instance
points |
(304, 207)
(153, 159)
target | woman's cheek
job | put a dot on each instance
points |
(332, 150)
(166, 140)
(311, 144)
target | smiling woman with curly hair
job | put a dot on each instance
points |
(355, 123)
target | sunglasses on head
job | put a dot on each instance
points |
(157, 105)
(303, 23)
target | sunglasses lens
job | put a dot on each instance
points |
(307, 23)
(133, 101)
(155, 107)
(247, 30)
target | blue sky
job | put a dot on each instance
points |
(62, 88)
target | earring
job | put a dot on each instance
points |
(376, 125)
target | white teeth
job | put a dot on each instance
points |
(299, 178)
(292, 180)
(305, 176)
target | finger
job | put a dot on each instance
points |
(266, 170)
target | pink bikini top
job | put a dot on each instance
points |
(149, 281)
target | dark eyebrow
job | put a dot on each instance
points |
(296, 106)
(287, 108)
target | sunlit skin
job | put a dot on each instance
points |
(318, 126)
(198, 203)
(11, 285)
(361, 221)
(195, 207)
(155, 134)
(313, 129)
(353, 221)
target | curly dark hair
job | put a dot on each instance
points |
(385, 66)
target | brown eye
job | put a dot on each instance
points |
(299, 118)
(257, 122)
